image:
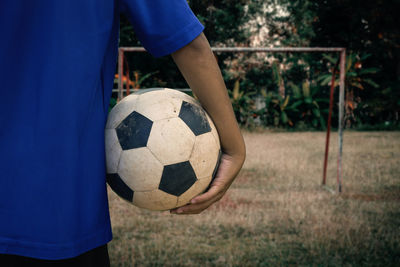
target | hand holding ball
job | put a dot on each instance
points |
(162, 149)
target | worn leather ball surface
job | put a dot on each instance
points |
(162, 149)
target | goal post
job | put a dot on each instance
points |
(342, 77)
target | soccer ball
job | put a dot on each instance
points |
(162, 149)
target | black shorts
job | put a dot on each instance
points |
(97, 257)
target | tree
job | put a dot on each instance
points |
(224, 23)
(366, 27)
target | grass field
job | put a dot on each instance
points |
(276, 212)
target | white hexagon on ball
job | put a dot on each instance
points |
(171, 141)
(139, 169)
(155, 200)
(204, 156)
(113, 149)
(213, 130)
(157, 105)
(176, 94)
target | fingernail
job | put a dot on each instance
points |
(179, 211)
(193, 201)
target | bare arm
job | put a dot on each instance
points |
(200, 69)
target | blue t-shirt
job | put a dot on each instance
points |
(57, 62)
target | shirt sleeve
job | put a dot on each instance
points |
(162, 26)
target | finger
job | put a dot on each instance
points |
(197, 208)
(191, 208)
(210, 194)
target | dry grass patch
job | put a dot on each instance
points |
(277, 214)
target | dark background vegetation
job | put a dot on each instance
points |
(289, 90)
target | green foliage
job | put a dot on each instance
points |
(224, 23)
(242, 104)
(276, 110)
(366, 28)
(291, 25)
(113, 102)
(307, 107)
(224, 20)
(380, 112)
(356, 75)
(356, 79)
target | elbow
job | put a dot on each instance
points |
(197, 50)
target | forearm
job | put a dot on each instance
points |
(200, 69)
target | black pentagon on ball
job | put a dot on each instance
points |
(177, 178)
(134, 131)
(195, 118)
(119, 187)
